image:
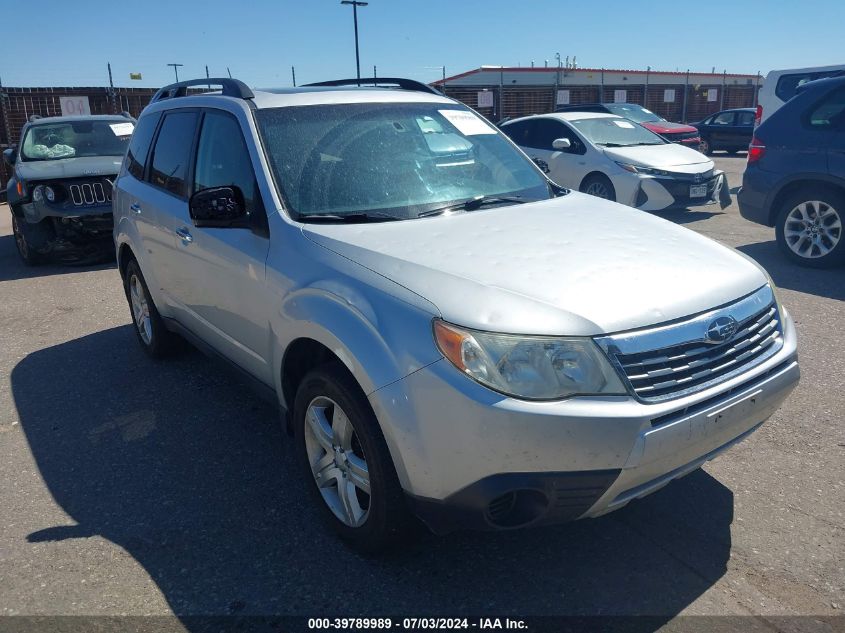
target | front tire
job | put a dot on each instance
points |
(600, 186)
(156, 340)
(346, 462)
(23, 242)
(809, 227)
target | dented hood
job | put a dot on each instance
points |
(575, 265)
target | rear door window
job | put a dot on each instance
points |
(139, 146)
(745, 119)
(517, 131)
(788, 84)
(172, 152)
(543, 133)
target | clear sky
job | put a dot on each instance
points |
(61, 43)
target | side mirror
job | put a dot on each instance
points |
(561, 144)
(10, 155)
(220, 207)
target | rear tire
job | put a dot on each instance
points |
(346, 463)
(156, 340)
(705, 147)
(809, 227)
(600, 186)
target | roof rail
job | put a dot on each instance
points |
(399, 82)
(34, 117)
(229, 88)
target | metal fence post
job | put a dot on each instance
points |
(686, 97)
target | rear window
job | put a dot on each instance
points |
(788, 84)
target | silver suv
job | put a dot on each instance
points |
(450, 335)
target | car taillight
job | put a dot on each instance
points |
(758, 115)
(756, 150)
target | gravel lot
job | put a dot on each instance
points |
(134, 487)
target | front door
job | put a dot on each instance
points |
(221, 281)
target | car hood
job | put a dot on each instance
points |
(667, 127)
(670, 155)
(575, 265)
(68, 167)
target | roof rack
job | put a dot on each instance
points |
(386, 82)
(229, 88)
(34, 117)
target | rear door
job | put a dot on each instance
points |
(166, 198)
(744, 129)
(827, 117)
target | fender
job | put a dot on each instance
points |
(125, 232)
(792, 179)
(378, 337)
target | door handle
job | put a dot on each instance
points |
(135, 208)
(185, 235)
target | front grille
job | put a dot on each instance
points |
(690, 365)
(86, 194)
(676, 137)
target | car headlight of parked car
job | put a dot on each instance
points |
(529, 367)
(645, 171)
(50, 194)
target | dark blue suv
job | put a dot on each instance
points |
(795, 178)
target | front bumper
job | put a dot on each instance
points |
(469, 457)
(658, 193)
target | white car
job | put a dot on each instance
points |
(780, 86)
(613, 158)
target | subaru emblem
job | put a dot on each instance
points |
(721, 329)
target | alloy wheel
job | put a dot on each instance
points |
(20, 239)
(337, 461)
(140, 309)
(812, 229)
(598, 189)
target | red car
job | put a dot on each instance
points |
(674, 132)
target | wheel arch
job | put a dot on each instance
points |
(593, 174)
(795, 185)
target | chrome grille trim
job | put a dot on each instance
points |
(89, 193)
(674, 360)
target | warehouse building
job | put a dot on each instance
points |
(499, 92)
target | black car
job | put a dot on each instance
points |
(729, 130)
(795, 178)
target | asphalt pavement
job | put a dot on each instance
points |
(129, 486)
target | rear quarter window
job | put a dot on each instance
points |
(830, 111)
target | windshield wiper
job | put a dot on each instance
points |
(613, 144)
(351, 218)
(472, 204)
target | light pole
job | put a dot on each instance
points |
(176, 70)
(355, 4)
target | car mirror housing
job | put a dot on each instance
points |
(561, 143)
(220, 207)
(10, 156)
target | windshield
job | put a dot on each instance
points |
(634, 113)
(71, 139)
(395, 159)
(613, 132)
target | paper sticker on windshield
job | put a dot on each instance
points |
(122, 129)
(467, 122)
(624, 124)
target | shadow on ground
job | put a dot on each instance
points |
(186, 470)
(823, 283)
(688, 216)
(12, 268)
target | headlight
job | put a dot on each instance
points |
(38, 193)
(639, 169)
(50, 194)
(529, 367)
